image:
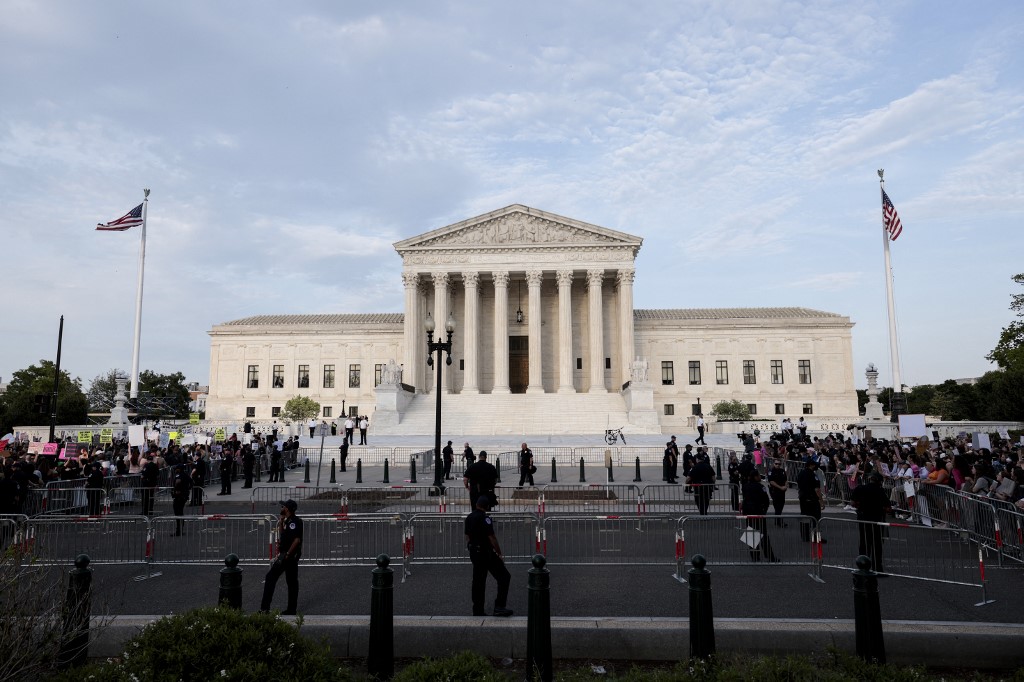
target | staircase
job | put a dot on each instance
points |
(487, 414)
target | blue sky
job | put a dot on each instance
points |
(288, 145)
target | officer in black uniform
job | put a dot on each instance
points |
(289, 550)
(94, 489)
(872, 505)
(734, 481)
(809, 494)
(667, 462)
(777, 486)
(248, 463)
(343, 453)
(702, 476)
(448, 456)
(225, 472)
(180, 489)
(755, 506)
(150, 476)
(525, 465)
(468, 455)
(480, 478)
(485, 553)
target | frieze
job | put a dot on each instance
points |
(519, 228)
(505, 256)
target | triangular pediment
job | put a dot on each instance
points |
(517, 225)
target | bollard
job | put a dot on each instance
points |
(359, 470)
(380, 661)
(538, 622)
(583, 478)
(554, 471)
(230, 583)
(306, 480)
(412, 469)
(497, 467)
(334, 477)
(702, 624)
(718, 467)
(387, 478)
(637, 478)
(74, 649)
(867, 615)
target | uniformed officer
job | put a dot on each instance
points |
(289, 550)
(94, 489)
(809, 494)
(248, 463)
(480, 478)
(778, 484)
(485, 553)
(755, 506)
(872, 505)
(448, 457)
(702, 480)
(149, 478)
(227, 459)
(180, 489)
(526, 468)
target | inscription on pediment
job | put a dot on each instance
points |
(519, 228)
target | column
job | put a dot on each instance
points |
(565, 384)
(533, 280)
(625, 281)
(594, 279)
(472, 283)
(441, 280)
(501, 333)
(412, 324)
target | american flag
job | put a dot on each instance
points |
(890, 218)
(129, 219)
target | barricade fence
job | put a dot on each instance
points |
(441, 539)
(628, 539)
(12, 529)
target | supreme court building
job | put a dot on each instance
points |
(546, 341)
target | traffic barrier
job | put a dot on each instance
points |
(351, 540)
(596, 498)
(409, 499)
(680, 499)
(122, 490)
(441, 538)
(1011, 526)
(12, 530)
(607, 539)
(106, 539)
(207, 539)
(65, 497)
(941, 555)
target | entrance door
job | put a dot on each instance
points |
(518, 363)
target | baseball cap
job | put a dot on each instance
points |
(290, 504)
(483, 501)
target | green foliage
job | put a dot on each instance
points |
(300, 408)
(462, 666)
(218, 644)
(730, 409)
(1009, 351)
(18, 406)
(170, 387)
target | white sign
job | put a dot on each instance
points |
(912, 426)
(980, 441)
(136, 435)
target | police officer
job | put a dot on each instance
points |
(343, 453)
(150, 476)
(809, 494)
(180, 488)
(198, 479)
(467, 454)
(480, 478)
(702, 478)
(734, 481)
(667, 464)
(248, 462)
(485, 553)
(448, 455)
(275, 462)
(226, 462)
(755, 506)
(289, 550)
(525, 465)
(778, 484)
(94, 488)
(872, 505)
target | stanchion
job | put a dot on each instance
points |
(637, 479)
(387, 478)
(538, 622)
(359, 470)
(380, 661)
(334, 476)
(230, 583)
(867, 614)
(554, 471)
(306, 467)
(497, 467)
(412, 469)
(583, 476)
(74, 649)
(702, 624)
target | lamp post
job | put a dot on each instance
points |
(438, 347)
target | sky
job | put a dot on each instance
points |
(289, 145)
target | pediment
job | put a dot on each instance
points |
(517, 225)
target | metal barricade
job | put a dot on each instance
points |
(58, 540)
(649, 455)
(941, 555)
(608, 539)
(563, 456)
(749, 541)
(680, 499)
(1010, 528)
(352, 540)
(596, 498)
(406, 499)
(65, 497)
(122, 490)
(12, 530)
(324, 500)
(208, 539)
(593, 455)
(376, 455)
(977, 516)
(35, 502)
(441, 538)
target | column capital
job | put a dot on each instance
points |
(500, 278)
(534, 277)
(471, 279)
(625, 276)
(595, 277)
(410, 279)
(441, 280)
(564, 278)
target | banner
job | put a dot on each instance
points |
(219, 435)
(85, 437)
(106, 435)
(193, 418)
(50, 448)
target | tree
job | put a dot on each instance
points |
(730, 409)
(955, 401)
(102, 390)
(18, 406)
(300, 408)
(1004, 395)
(1009, 351)
(170, 391)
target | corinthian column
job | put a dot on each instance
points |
(625, 281)
(411, 326)
(501, 333)
(565, 332)
(472, 283)
(441, 280)
(594, 279)
(533, 280)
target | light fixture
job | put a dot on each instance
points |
(449, 326)
(429, 324)
(519, 311)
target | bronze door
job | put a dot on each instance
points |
(518, 363)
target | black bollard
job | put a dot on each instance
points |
(637, 479)
(74, 649)
(380, 661)
(412, 469)
(334, 476)
(718, 467)
(583, 477)
(702, 624)
(554, 471)
(387, 478)
(359, 470)
(538, 622)
(497, 467)
(230, 583)
(306, 480)
(867, 615)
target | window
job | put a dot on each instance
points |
(752, 408)
(353, 376)
(670, 409)
(780, 408)
(696, 410)
(694, 372)
(749, 373)
(254, 377)
(303, 376)
(579, 363)
(328, 412)
(804, 371)
(250, 412)
(776, 371)
(278, 376)
(721, 371)
(668, 373)
(378, 372)
(328, 376)
(607, 363)
(275, 411)
(808, 408)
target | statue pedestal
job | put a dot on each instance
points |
(392, 400)
(640, 410)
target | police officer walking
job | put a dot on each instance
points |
(181, 487)
(808, 489)
(872, 505)
(448, 456)
(778, 484)
(289, 550)
(485, 553)
(526, 468)
(702, 479)
(480, 479)
(248, 462)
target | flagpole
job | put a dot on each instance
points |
(894, 350)
(138, 300)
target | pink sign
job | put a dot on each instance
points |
(50, 448)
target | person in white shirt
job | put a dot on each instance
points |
(699, 440)
(312, 426)
(363, 425)
(350, 426)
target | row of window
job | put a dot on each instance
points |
(327, 412)
(780, 408)
(302, 376)
(722, 372)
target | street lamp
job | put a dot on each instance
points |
(438, 347)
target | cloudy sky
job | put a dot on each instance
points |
(288, 145)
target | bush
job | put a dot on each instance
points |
(218, 644)
(731, 410)
(462, 666)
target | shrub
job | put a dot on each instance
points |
(732, 410)
(462, 666)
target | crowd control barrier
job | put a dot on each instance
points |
(596, 498)
(208, 539)
(688, 499)
(407, 499)
(441, 538)
(57, 540)
(350, 540)
(12, 529)
(608, 539)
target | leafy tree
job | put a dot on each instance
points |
(955, 401)
(169, 388)
(102, 390)
(1003, 391)
(919, 400)
(730, 409)
(1009, 351)
(18, 403)
(300, 408)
